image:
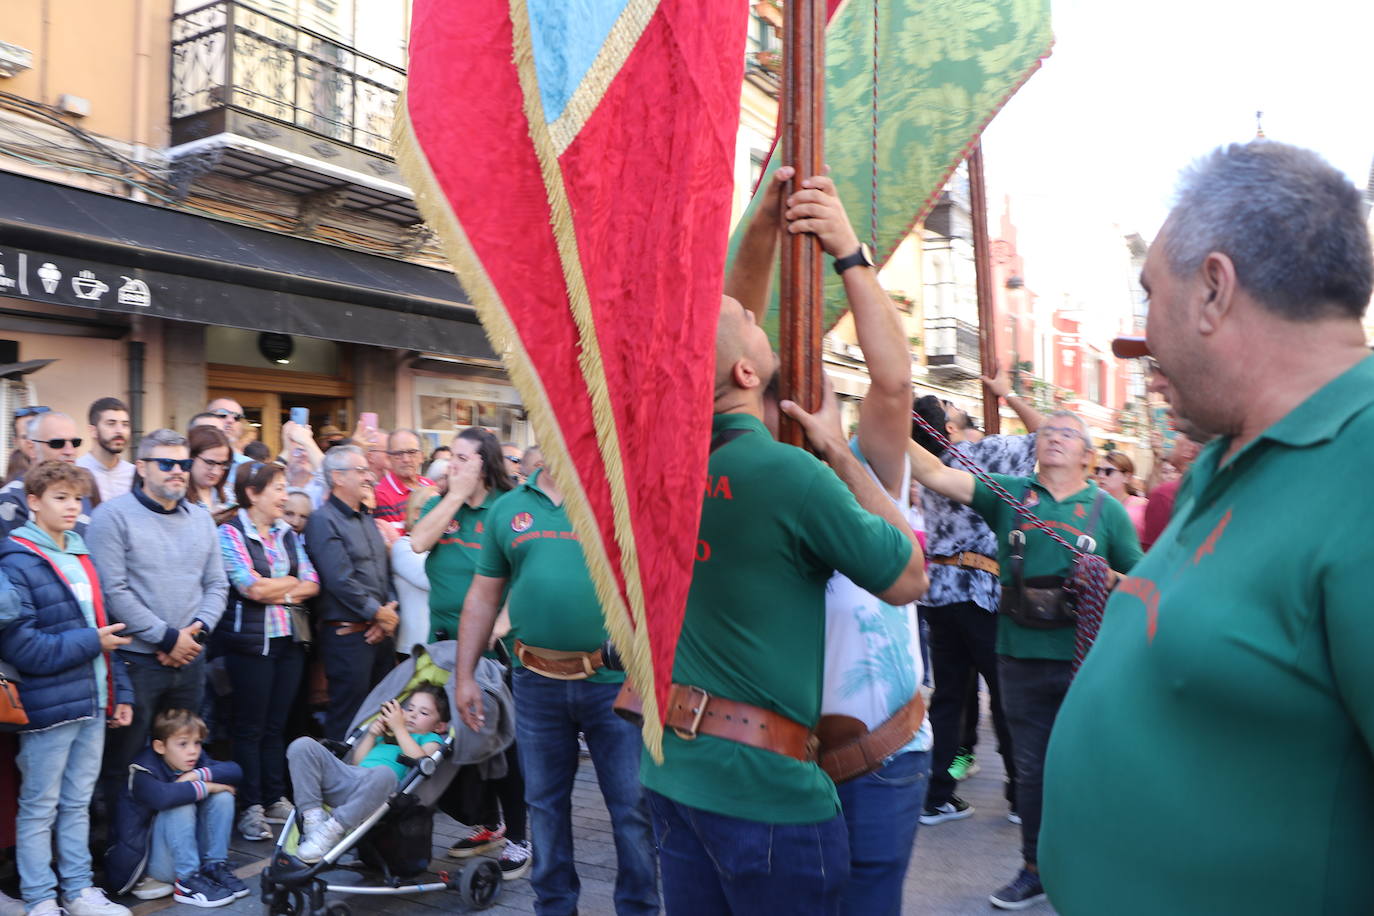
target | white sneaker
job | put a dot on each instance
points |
(93, 902)
(11, 907)
(47, 907)
(320, 840)
(149, 888)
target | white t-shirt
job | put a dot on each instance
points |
(873, 663)
(111, 482)
(412, 595)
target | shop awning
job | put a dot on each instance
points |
(66, 246)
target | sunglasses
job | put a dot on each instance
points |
(31, 411)
(1108, 470)
(512, 460)
(59, 443)
(227, 414)
(166, 464)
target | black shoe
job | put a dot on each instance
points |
(954, 809)
(1023, 892)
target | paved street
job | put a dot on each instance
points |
(956, 865)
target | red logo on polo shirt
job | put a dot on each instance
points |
(1078, 511)
(452, 527)
(521, 522)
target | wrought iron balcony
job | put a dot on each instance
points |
(228, 56)
(952, 348)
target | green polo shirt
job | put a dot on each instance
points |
(1214, 753)
(776, 523)
(452, 561)
(552, 601)
(1115, 536)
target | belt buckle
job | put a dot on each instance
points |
(697, 712)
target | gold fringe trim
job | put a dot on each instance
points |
(620, 41)
(630, 635)
(628, 630)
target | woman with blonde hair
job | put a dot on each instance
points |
(1116, 475)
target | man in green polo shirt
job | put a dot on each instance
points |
(746, 824)
(1214, 754)
(1034, 664)
(531, 555)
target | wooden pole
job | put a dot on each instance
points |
(802, 295)
(982, 266)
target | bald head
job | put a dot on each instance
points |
(729, 343)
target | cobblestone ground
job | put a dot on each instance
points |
(955, 866)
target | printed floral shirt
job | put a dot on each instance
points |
(952, 528)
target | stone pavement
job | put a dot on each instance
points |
(955, 866)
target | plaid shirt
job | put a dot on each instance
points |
(953, 528)
(238, 566)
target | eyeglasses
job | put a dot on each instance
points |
(1062, 432)
(55, 444)
(165, 465)
(215, 464)
(1108, 470)
(31, 411)
(224, 414)
(512, 460)
(362, 470)
(406, 453)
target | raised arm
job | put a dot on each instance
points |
(1000, 385)
(750, 277)
(885, 414)
(930, 472)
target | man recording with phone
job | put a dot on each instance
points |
(158, 557)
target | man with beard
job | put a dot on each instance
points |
(53, 437)
(159, 561)
(357, 602)
(109, 419)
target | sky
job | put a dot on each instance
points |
(1092, 145)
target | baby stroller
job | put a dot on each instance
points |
(396, 839)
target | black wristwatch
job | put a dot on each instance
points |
(862, 257)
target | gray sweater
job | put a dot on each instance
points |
(160, 570)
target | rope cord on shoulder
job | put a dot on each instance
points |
(1091, 576)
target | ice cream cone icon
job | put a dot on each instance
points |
(50, 277)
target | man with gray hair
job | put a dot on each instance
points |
(393, 489)
(1035, 625)
(159, 562)
(357, 601)
(53, 437)
(1216, 752)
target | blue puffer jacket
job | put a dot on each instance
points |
(51, 644)
(152, 787)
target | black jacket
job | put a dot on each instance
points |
(352, 561)
(243, 628)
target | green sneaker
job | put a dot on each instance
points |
(963, 767)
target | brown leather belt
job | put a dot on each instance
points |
(347, 627)
(561, 666)
(692, 712)
(969, 560)
(849, 750)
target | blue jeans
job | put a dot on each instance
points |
(882, 811)
(60, 766)
(713, 863)
(264, 688)
(548, 715)
(189, 836)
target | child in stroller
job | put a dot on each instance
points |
(353, 791)
(386, 808)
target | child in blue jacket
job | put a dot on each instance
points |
(54, 631)
(173, 819)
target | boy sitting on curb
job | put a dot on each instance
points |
(354, 792)
(174, 815)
